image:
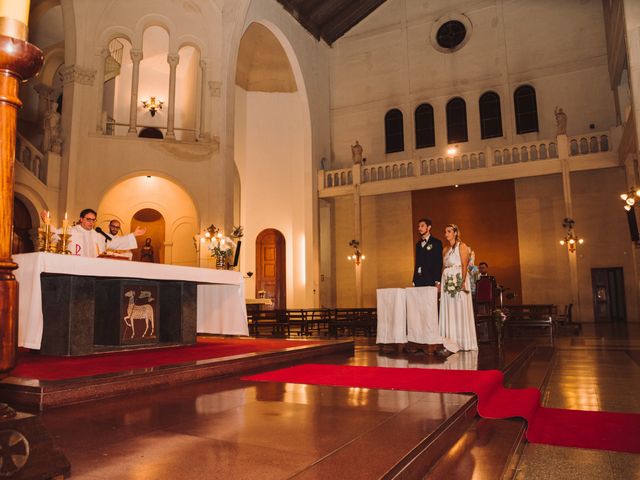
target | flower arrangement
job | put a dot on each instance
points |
(453, 285)
(222, 247)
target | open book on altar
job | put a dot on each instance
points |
(117, 254)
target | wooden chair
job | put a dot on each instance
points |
(485, 295)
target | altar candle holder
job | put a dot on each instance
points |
(64, 243)
(45, 238)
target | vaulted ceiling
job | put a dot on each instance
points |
(329, 19)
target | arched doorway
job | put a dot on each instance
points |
(22, 241)
(154, 222)
(271, 267)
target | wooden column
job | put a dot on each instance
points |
(19, 61)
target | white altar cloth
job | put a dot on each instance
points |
(220, 310)
(392, 315)
(422, 315)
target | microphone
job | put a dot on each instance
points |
(101, 232)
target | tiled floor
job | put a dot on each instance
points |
(230, 429)
(598, 370)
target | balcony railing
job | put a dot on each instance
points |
(490, 157)
(589, 143)
(32, 158)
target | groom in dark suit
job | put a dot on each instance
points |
(428, 260)
(427, 273)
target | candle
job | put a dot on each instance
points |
(47, 219)
(65, 223)
(15, 9)
(14, 18)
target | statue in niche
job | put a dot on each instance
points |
(356, 153)
(52, 140)
(561, 121)
(146, 252)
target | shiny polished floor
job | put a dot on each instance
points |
(228, 428)
(599, 370)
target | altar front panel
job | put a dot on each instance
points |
(229, 317)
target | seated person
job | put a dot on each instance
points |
(483, 268)
(84, 241)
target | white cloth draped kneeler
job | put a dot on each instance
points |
(422, 318)
(422, 315)
(392, 315)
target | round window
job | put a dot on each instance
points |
(451, 34)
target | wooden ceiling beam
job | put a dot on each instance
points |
(348, 17)
(329, 19)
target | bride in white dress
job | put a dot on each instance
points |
(456, 306)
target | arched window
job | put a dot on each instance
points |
(394, 131)
(151, 132)
(425, 127)
(490, 117)
(524, 99)
(457, 121)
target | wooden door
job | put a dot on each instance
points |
(608, 294)
(270, 267)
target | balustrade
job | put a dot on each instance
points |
(32, 158)
(589, 143)
(533, 151)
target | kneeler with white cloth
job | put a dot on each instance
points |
(410, 315)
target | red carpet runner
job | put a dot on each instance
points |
(552, 426)
(44, 367)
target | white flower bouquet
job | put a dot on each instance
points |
(453, 285)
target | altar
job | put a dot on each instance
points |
(70, 305)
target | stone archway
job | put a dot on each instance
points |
(269, 155)
(170, 201)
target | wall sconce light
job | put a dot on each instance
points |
(630, 198)
(357, 256)
(153, 105)
(571, 240)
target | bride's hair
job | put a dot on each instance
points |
(456, 231)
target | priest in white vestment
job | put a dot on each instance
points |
(84, 241)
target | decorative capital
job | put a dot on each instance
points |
(136, 55)
(203, 64)
(173, 59)
(78, 74)
(214, 88)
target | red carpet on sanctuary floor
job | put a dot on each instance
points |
(45, 367)
(552, 426)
